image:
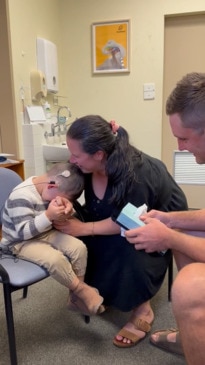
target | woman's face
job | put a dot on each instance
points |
(86, 162)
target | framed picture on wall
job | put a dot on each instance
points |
(110, 46)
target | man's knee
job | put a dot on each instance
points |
(188, 289)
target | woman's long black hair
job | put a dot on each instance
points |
(94, 133)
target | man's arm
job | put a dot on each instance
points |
(156, 236)
(184, 220)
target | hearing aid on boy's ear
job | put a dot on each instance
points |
(65, 173)
(55, 184)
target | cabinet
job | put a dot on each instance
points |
(17, 166)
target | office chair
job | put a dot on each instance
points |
(15, 273)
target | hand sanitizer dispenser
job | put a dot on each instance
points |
(48, 63)
(38, 85)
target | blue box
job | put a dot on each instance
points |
(128, 217)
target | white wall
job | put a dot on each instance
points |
(68, 24)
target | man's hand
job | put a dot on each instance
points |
(151, 237)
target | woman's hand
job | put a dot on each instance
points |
(73, 227)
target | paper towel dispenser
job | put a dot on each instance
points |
(48, 63)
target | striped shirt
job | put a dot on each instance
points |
(24, 214)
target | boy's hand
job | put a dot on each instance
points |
(59, 209)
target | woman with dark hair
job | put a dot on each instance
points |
(117, 173)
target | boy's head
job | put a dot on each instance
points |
(67, 179)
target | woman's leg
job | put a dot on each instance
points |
(137, 326)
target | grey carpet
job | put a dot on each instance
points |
(47, 333)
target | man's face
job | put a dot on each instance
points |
(188, 138)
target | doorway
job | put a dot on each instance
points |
(8, 128)
(184, 52)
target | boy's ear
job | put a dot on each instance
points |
(52, 185)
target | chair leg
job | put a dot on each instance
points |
(170, 278)
(25, 292)
(10, 324)
(87, 319)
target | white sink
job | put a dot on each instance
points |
(55, 152)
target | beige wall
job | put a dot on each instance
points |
(120, 96)
(68, 24)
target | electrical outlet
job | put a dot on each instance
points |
(149, 91)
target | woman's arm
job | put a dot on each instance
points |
(76, 228)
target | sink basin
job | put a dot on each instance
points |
(55, 152)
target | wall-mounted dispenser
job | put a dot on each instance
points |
(48, 63)
(38, 85)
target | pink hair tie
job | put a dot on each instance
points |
(114, 126)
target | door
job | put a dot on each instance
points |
(8, 127)
(184, 52)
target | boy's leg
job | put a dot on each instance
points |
(87, 299)
(72, 247)
(41, 253)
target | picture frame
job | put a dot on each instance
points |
(111, 46)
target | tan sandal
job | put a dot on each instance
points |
(164, 344)
(139, 324)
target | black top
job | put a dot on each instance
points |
(125, 277)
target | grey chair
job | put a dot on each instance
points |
(15, 273)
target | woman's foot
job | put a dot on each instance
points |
(136, 328)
